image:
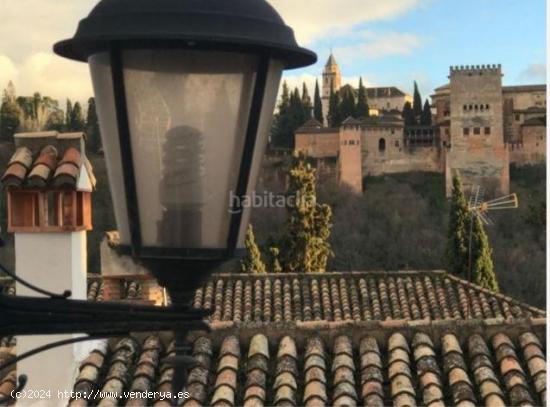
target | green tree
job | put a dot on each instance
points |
(408, 115)
(426, 117)
(10, 114)
(362, 108)
(347, 104)
(274, 262)
(68, 115)
(318, 104)
(306, 102)
(334, 117)
(483, 270)
(309, 223)
(458, 239)
(252, 263)
(77, 118)
(56, 121)
(282, 131)
(417, 102)
(92, 127)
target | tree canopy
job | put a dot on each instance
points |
(306, 246)
(362, 107)
(457, 237)
(318, 104)
(426, 117)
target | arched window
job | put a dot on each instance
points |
(382, 145)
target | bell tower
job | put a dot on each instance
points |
(332, 80)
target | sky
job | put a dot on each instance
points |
(387, 43)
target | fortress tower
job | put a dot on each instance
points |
(477, 150)
(350, 157)
(332, 80)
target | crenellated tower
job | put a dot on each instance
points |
(477, 151)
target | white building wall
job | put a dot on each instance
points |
(55, 262)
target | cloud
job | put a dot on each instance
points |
(313, 19)
(30, 27)
(534, 72)
(48, 74)
(8, 71)
(374, 45)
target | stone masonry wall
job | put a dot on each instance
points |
(478, 154)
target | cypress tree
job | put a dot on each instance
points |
(318, 104)
(297, 113)
(408, 115)
(417, 102)
(457, 243)
(426, 117)
(77, 118)
(482, 263)
(347, 104)
(281, 133)
(334, 117)
(362, 108)
(308, 224)
(92, 127)
(68, 116)
(252, 263)
(306, 102)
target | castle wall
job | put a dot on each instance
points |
(388, 103)
(318, 145)
(478, 152)
(532, 147)
(525, 97)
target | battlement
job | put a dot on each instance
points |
(494, 69)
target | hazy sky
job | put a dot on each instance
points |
(387, 42)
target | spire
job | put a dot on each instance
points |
(331, 60)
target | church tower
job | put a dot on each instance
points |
(332, 80)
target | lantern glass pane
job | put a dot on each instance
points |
(270, 96)
(188, 113)
(100, 67)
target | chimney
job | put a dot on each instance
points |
(49, 182)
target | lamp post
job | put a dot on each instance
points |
(185, 91)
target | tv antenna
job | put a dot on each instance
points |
(480, 209)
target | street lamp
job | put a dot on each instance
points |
(185, 92)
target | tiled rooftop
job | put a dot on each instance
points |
(353, 296)
(372, 338)
(47, 159)
(401, 369)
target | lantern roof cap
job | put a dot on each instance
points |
(196, 24)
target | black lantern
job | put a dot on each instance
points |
(185, 91)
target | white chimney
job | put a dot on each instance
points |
(49, 183)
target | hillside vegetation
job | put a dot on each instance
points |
(400, 222)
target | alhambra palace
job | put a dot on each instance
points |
(480, 128)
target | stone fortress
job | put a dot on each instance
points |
(479, 128)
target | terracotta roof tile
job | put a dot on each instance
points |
(48, 165)
(259, 346)
(14, 175)
(401, 371)
(350, 297)
(328, 362)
